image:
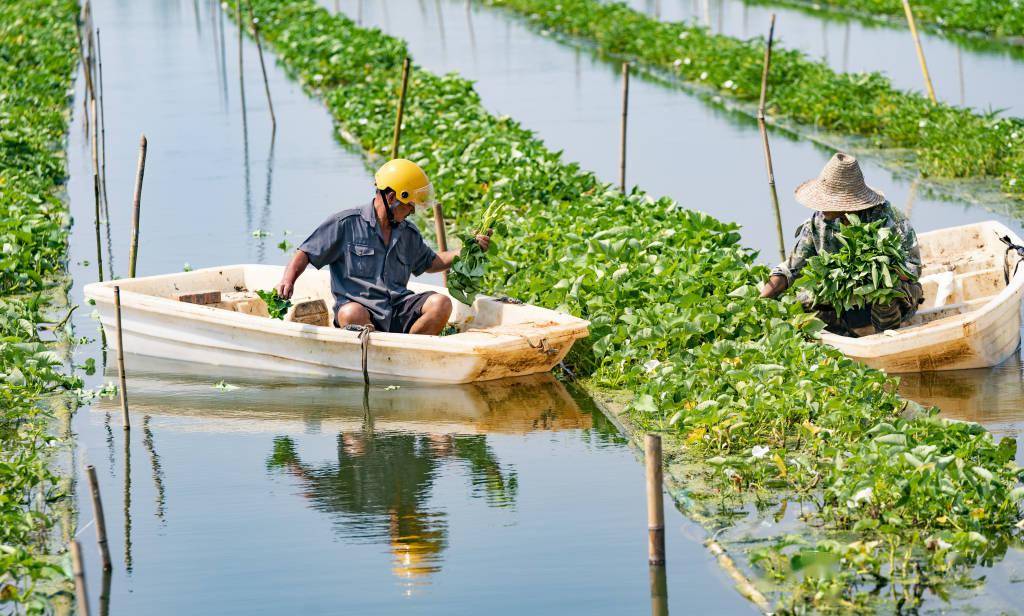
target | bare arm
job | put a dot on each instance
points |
(443, 261)
(291, 273)
(775, 286)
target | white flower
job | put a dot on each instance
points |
(936, 543)
(1014, 135)
(922, 123)
(704, 75)
(860, 497)
(759, 451)
(677, 62)
(362, 121)
(683, 35)
(318, 78)
(687, 61)
(728, 84)
(1013, 181)
(651, 365)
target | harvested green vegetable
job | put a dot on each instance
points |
(468, 269)
(277, 306)
(866, 270)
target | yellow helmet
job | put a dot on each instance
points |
(407, 179)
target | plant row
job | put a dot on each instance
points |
(37, 61)
(671, 295)
(946, 141)
(987, 17)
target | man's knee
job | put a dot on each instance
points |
(353, 313)
(438, 305)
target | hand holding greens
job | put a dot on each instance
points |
(468, 269)
(866, 269)
(277, 306)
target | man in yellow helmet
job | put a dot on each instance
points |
(372, 250)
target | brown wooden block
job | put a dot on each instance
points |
(311, 312)
(202, 298)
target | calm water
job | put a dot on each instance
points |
(961, 75)
(679, 146)
(294, 497)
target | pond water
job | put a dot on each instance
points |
(679, 146)
(965, 72)
(295, 497)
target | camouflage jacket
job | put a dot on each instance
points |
(818, 236)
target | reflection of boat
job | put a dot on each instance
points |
(162, 387)
(495, 340)
(970, 317)
(992, 396)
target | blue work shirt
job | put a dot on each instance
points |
(363, 268)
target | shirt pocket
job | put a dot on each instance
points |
(399, 269)
(362, 261)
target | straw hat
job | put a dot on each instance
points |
(839, 188)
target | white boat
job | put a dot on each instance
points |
(495, 339)
(970, 317)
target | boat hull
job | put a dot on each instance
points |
(157, 326)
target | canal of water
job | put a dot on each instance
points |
(294, 497)
(964, 72)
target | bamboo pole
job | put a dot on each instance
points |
(401, 108)
(920, 52)
(85, 70)
(96, 189)
(659, 590)
(764, 140)
(622, 132)
(81, 597)
(103, 126)
(101, 520)
(133, 253)
(655, 503)
(263, 66)
(120, 360)
(241, 63)
(441, 234)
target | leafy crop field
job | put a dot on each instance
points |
(946, 141)
(37, 61)
(986, 17)
(764, 413)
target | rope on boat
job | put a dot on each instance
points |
(1011, 247)
(364, 343)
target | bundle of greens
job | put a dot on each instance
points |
(865, 270)
(468, 269)
(277, 306)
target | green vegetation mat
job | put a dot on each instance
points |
(997, 18)
(37, 59)
(765, 413)
(946, 141)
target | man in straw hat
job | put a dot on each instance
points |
(840, 189)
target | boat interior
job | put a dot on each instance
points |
(964, 269)
(233, 288)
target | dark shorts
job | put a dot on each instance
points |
(405, 312)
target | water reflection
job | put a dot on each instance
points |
(379, 486)
(382, 482)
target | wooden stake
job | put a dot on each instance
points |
(622, 134)
(85, 71)
(441, 234)
(655, 504)
(137, 206)
(764, 140)
(125, 423)
(263, 67)
(103, 127)
(920, 52)
(81, 597)
(401, 108)
(101, 521)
